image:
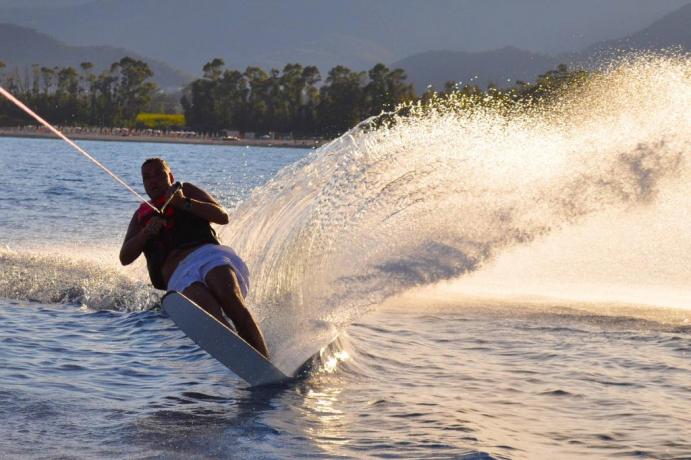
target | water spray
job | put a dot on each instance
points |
(21, 105)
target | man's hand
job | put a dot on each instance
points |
(137, 237)
(178, 198)
(153, 226)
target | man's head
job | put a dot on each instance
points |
(157, 177)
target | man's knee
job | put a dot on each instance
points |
(201, 295)
(194, 290)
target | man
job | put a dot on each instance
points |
(183, 253)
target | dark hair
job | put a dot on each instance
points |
(160, 161)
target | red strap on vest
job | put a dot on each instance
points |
(144, 213)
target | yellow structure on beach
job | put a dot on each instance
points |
(160, 120)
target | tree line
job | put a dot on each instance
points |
(547, 90)
(67, 96)
(295, 100)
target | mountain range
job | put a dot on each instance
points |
(501, 40)
(21, 47)
(672, 30)
(506, 65)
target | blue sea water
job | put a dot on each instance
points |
(523, 294)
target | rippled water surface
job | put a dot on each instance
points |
(438, 384)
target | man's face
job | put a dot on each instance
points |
(156, 180)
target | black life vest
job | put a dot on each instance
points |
(182, 229)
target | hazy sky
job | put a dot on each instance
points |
(188, 33)
(27, 3)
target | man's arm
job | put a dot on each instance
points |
(136, 238)
(201, 204)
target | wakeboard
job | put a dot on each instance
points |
(219, 341)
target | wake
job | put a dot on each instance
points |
(63, 279)
(443, 192)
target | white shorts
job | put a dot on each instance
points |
(198, 263)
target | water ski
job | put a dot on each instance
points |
(221, 342)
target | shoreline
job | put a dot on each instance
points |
(167, 139)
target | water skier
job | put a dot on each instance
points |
(183, 252)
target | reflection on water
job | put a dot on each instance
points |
(331, 364)
(327, 424)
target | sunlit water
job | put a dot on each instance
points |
(501, 286)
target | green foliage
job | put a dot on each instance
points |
(289, 100)
(342, 101)
(548, 89)
(549, 86)
(163, 102)
(66, 96)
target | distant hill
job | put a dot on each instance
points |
(21, 47)
(500, 66)
(672, 30)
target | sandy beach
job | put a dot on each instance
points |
(171, 138)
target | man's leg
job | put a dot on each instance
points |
(224, 285)
(199, 294)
